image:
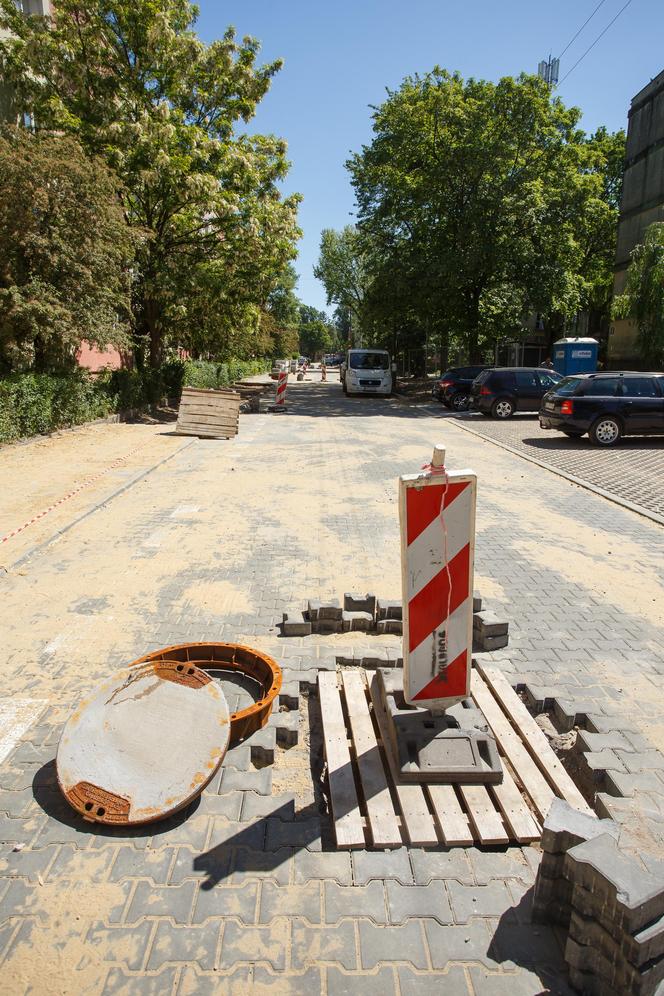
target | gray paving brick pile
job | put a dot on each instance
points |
(246, 888)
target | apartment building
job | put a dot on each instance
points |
(642, 204)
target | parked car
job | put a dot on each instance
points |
(454, 387)
(367, 371)
(501, 391)
(606, 405)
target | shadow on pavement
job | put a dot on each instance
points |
(517, 941)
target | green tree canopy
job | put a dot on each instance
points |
(341, 269)
(135, 84)
(643, 300)
(469, 200)
(65, 252)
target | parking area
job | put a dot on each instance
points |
(633, 471)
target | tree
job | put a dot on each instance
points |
(643, 299)
(137, 86)
(65, 252)
(468, 197)
(341, 269)
(318, 335)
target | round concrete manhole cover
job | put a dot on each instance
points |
(145, 744)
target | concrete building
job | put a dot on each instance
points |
(642, 204)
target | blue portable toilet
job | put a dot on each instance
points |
(575, 356)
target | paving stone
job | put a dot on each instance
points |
(488, 624)
(26, 863)
(595, 765)
(185, 830)
(355, 602)
(262, 745)
(152, 864)
(621, 785)
(238, 901)
(368, 865)
(521, 983)
(124, 945)
(16, 803)
(23, 831)
(290, 900)
(313, 865)
(595, 742)
(210, 867)
(23, 899)
(287, 728)
(294, 624)
(357, 622)
(234, 833)
(467, 943)
(491, 643)
(355, 901)
(389, 609)
(283, 984)
(118, 983)
(330, 609)
(322, 945)
(387, 944)
(565, 827)
(300, 833)
(429, 865)
(193, 945)
(627, 893)
(289, 694)
(489, 865)
(453, 981)
(250, 944)
(251, 864)
(193, 983)
(229, 805)
(75, 865)
(404, 901)
(173, 901)
(257, 807)
(478, 900)
(246, 781)
(636, 761)
(238, 757)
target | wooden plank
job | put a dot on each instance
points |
(512, 746)
(521, 823)
(485, 819)
(200, 420)
(416, 819)
(194, 409)
(536, 743)
(343, 797)
(207, 430)
(204, 435)
(209, 391)
(451, 820)
(383, 822)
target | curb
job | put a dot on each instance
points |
(114, 494)
(623, 502)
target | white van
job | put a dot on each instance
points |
(367, 371)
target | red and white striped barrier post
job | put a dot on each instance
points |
(282, 384)
(323, 372)
(437, 517)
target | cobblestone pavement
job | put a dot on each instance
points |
(245, 891)
(632, 471)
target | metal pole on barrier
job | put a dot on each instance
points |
(437, 519)
(282, 384)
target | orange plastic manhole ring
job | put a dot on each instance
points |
(231, 657)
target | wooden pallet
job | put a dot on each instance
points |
(210, 414)
(373, 807)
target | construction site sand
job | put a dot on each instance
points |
(42, 471)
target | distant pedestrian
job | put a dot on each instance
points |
(548, 363)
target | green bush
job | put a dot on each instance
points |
(31, 403)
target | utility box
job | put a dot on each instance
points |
(575, 356)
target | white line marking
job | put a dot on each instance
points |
(16, 717)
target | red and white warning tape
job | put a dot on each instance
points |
(71, 494)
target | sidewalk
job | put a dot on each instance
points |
(246, 890)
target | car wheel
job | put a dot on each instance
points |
(572, 433)
(461, 402)
(606, 431)
(502, 408)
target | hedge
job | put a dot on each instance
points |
(32, 403)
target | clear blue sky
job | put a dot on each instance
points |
(340, 55)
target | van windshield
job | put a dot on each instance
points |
(369, 361)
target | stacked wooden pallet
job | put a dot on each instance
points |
(373, 807)
(210, 414)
